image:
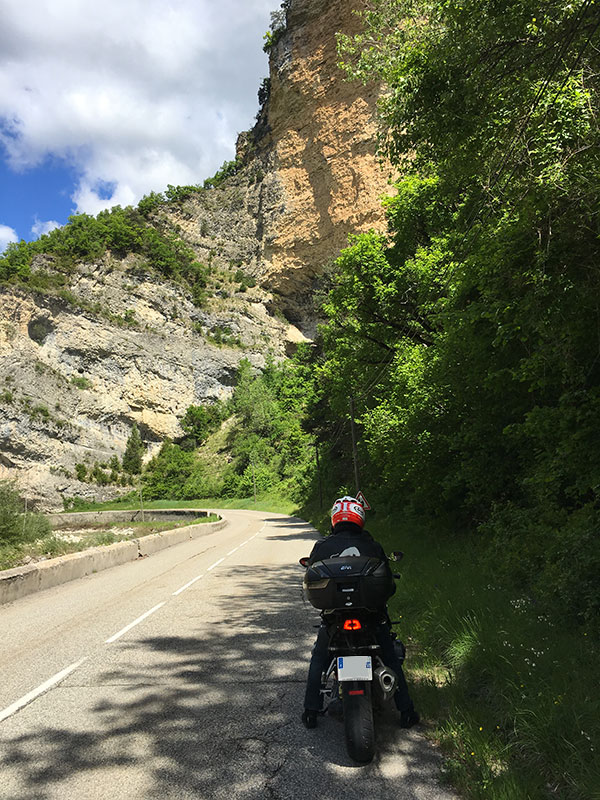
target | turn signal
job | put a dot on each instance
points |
(352, 625)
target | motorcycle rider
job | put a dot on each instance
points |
(348, 538)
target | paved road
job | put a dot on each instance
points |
(200, 698)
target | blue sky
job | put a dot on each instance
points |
(102, 103)
(35, 196)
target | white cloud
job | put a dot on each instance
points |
(39, 227)
(7, 235)
(135, 93)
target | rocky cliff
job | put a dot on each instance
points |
(311, 174)
(122, 345)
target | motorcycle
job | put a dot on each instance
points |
(350, 593)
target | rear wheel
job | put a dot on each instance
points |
(358, 721)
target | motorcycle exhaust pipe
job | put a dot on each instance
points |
(387, 679)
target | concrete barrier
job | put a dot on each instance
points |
(21, 581)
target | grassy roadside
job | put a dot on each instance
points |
(35, 540)
(53, 543)
(508, 692)
(511, 692)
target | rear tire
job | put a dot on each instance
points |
(358, 721)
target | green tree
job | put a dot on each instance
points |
(168, 472)
(134, 450)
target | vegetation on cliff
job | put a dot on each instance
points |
(278, 26)
(85, 238)
(249, 446)
(469, 338)
(120, 231)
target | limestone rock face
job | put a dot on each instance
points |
(76, 374)
(322, 135)
(312, 174)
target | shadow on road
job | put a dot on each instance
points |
(211, 712)
(299, 528)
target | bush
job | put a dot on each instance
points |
(81, 472)
(15, 525)
(177, 194)
(227, 169)
(80, 382)
(98, 475)
(150, 202)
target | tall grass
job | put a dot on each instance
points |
(18, 528)
(511, 692)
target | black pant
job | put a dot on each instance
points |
(321, 659)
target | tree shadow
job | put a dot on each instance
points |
(211, 712)
(300, 529)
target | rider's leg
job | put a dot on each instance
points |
(318, 663)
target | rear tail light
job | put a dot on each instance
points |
(318, 584)
(352, 625)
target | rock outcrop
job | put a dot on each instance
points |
(312, 175)
(121, 345)
(321, 137)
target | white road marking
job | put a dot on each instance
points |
(187, 585)
(216, 564)
(134, 623)
(30, 696)
(55, 679)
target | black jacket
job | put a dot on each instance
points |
(347, 537)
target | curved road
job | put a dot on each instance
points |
(182, 676)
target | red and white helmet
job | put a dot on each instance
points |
(347, 509)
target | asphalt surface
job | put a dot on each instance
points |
(201, 698)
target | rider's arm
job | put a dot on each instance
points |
(314, 556)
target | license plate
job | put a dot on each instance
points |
(354, 668)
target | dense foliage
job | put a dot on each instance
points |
(471, 335)
(260, 430)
